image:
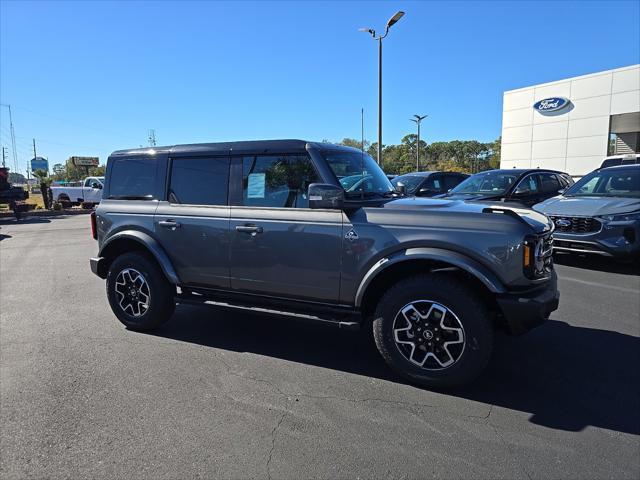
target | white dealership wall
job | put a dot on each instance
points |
(574, 140)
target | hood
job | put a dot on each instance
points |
(537, 221)
(468, 196)
(587, 206)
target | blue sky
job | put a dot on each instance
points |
(86, 78)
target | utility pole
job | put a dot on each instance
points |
(417, 119)
(152, 138)
(13, 138)
(4, 157)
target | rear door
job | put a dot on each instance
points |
(279, 246)
(192, 224)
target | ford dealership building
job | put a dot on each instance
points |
(572, 125)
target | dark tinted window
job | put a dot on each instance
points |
(277, 181)
(199, 181)
(132, 178)
(549, 182)
(527, 186)
(433, 183)
(411, 182)
(451, 181)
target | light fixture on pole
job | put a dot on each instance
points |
(417, 119)
(397, 16)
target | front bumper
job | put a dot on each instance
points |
(523, 311)
(98, 266)
(615, 239)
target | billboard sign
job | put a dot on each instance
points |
(85, 161)
(39, 163)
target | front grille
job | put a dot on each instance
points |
(576, 224)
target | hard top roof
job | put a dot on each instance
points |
(253, 146)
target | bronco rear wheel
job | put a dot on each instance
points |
(433, 330)
(139, 293)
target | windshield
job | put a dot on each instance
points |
(618, 182)
(358, 173)
(411, 182)
(101, 179)
(495, 182)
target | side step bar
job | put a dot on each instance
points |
(342, 324)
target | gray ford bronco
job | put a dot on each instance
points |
(316, 231)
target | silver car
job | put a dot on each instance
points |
(599, 214)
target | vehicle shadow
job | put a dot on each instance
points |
(600, 264)
(3, 236)
(567, 377)
(23, 220)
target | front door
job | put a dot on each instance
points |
(279, 246)
(193, 224)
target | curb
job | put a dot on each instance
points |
(46, 213)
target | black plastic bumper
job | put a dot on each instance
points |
(98, 266)
(526, 310)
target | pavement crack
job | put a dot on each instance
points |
(515, 457)
(273, 443)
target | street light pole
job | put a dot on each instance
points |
(397, 16)
(417, 119)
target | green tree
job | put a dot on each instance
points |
(352, 142)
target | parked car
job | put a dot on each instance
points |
(428, 184)
(524, 187)
(626, 159)
(88, 194)
(269, 225)
(600, 214)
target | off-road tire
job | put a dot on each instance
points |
(470, 310)
(162, 293)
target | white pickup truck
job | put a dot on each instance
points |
(87, 195)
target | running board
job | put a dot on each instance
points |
(342, 324)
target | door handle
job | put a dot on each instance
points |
(252, 229)
(171, 224)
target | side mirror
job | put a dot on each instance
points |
(426, 192)
(326, 196)
(96, 185)
(401, 189)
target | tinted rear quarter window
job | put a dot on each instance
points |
(132, 177)
(199, 181)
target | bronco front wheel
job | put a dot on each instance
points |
(433, 330)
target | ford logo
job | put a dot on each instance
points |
(563, 223)
(551, 104)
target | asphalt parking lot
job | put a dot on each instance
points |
(227, 395)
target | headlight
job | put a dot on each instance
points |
(622, 217)
(537, 259)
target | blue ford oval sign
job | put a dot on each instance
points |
(551, 104)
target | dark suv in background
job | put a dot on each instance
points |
(279, 225)
(428, 184)
(524, 187)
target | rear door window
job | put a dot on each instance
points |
(549, 183)
(199, 181)
(132, 178)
